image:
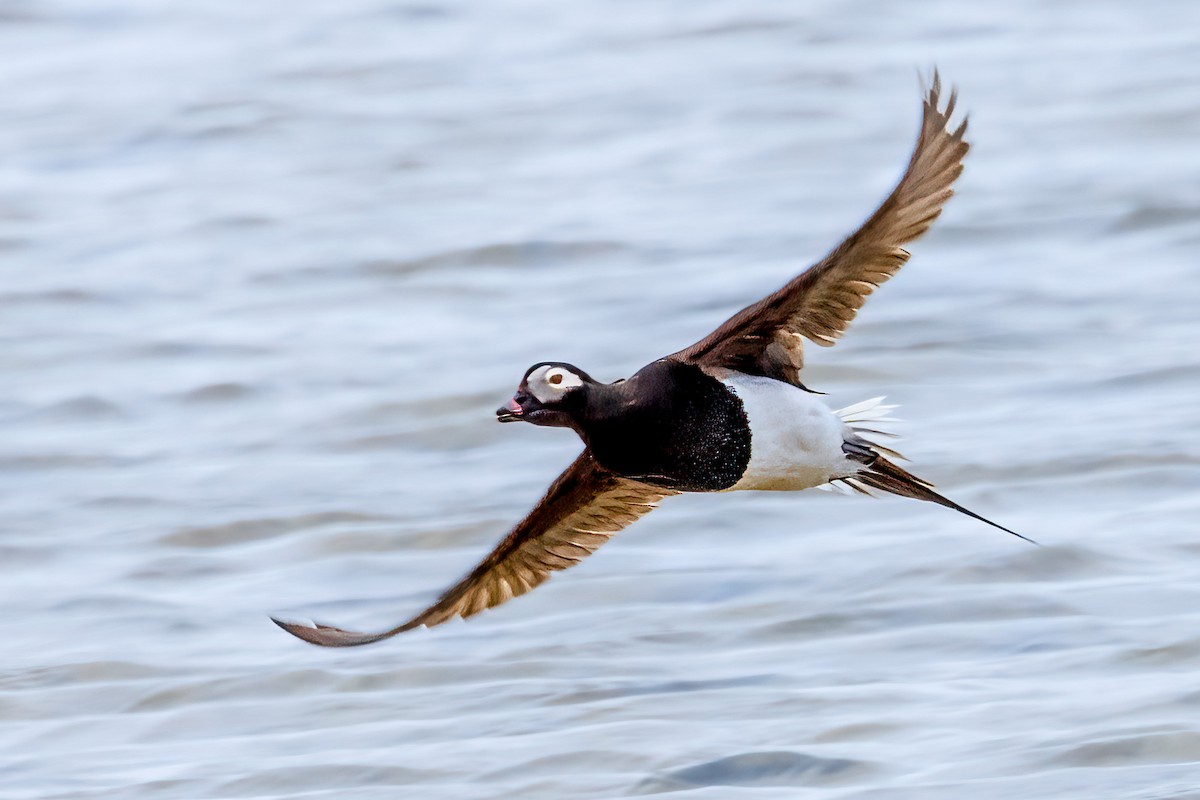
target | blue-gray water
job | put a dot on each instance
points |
(268, 268)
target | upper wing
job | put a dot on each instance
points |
(764, 338)
(582, 509)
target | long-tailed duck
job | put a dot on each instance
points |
(727, 413)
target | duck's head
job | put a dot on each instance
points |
(551, 393)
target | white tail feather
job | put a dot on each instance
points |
(873, 410)
(865, 421)
(837, 486)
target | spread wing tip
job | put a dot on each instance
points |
(932, 93)
(931, 87)
(821, 302)
(329, 636)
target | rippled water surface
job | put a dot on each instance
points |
(266, 269)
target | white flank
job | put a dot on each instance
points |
(795, 439)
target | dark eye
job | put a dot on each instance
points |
(556, 378)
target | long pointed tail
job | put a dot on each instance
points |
(884, 475)
(864, 422)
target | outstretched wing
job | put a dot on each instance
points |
(582, 510)
(764, 338)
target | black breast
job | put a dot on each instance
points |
(671, 425)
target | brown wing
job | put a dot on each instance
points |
(764, 338)
(582, 510)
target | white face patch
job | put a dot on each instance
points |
(549, 383)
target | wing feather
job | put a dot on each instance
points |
(584, 507)
(820, 303)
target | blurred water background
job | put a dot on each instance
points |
(267, 268)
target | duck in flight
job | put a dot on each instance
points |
(727, 413)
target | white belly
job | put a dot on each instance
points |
(795, 439)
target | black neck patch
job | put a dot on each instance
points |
(670, 425)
